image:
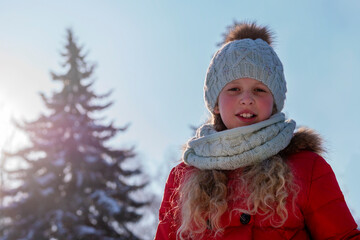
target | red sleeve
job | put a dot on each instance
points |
(165, 229)
(326, 213)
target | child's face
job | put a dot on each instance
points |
(243, 102)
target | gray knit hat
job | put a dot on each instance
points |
(245, 58)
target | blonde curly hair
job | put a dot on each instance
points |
(203, 194)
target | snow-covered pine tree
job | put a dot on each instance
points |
(73, 186)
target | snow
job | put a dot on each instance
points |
(90, 159)
(59, 162)
(67, 177)
(30, 234)
(45, 179)
(108, 202)
(85, 230)
(47, 191)
(58, 221)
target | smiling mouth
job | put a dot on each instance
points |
(246, 115)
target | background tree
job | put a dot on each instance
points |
(71, 185)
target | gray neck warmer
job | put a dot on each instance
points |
(238, 147)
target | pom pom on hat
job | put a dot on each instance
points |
(246, 53)
(250, 30)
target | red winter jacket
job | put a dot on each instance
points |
(320, 211)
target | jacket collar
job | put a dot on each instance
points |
(304, 139)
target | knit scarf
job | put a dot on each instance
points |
(238, 147)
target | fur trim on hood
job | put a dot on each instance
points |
(305, 139)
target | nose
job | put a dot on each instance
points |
(246, 99)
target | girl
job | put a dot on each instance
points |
(247, 174)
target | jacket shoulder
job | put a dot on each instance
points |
(309, 170)
(310, 163)
(303, 155)
(177, 174)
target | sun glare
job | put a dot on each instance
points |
(20, 82)
(6, 127)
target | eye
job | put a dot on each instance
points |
(259, 90)
(234, 89)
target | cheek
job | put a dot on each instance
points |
(268, 106)
(225, 102)
(265, 107)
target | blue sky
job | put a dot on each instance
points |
(154, 54)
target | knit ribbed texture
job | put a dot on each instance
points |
(245, 58)
(238, 147)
